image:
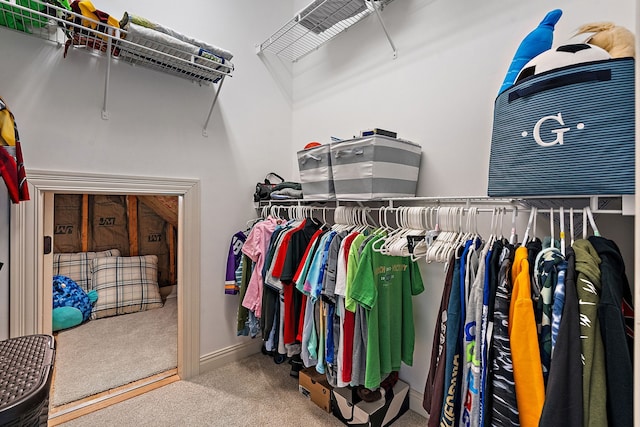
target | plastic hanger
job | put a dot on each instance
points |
(513, 238)
(596, 232)
(553, 232)
(562, 236)
(571, 230)
(532, 214)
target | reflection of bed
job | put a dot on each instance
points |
(158, 46)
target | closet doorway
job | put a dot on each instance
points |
(31, 254)
(132, 332)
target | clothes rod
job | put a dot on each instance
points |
(465, 210)
(521, 204)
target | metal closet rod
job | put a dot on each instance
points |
(555, 210)
(472, 201)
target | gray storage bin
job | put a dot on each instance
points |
(375, 167)
(315, 173)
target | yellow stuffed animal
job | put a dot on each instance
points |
(616, 40)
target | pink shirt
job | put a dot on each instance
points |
(256, 247)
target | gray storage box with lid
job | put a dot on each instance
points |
(568, 131)
(375, 167)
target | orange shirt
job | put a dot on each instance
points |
(525, 352)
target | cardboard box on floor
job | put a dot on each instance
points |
(380, 413)
(314, 386)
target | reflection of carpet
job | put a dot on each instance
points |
(107, 353)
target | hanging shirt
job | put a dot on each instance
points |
(434, 388)
(486, 332)
(563, 402)
(256, 248)
(527, 368)
(471, 371)
(348, 324)
(504, 408)
(234, 257)
(299, 241)
(305, 263)
(547, 277)
(384, 286)
(559, 293)
(615, 297)
(594, 385)
(453, 370)
(11, 163)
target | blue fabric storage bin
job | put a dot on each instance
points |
(568, 131)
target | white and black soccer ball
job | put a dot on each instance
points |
(562, 56)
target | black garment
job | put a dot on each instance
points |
(434, 388)
(618, 351)
(494, 270)
(504, 406)
(563, 401)
(534, 247)
(295, 251)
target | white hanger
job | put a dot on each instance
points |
(562, 238)
(571, 230)
(513, 238)
(459, 236)
(553, 232)
(532, 215)
(596, 232)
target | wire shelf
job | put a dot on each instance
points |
(53, 23)
(56, 24)
(316, 24)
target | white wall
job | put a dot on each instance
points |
(155, 128)
(439, 92)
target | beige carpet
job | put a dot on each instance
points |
(252, 392)
(106, 353)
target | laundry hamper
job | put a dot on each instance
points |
(26, 366)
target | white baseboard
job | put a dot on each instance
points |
(415, 403)
(229, 354)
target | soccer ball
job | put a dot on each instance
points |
(562, 56)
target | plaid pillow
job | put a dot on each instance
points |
(77, 266)
(125, 285)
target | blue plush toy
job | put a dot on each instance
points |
(71, 304)
(537, 41)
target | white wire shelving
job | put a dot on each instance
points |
(319, 22)
(75, 32)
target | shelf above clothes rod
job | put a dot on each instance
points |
(152, 48)
(319, 22)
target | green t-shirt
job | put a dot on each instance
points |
(384, 285)
(352, 268)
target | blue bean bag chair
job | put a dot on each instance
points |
(71, 304)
